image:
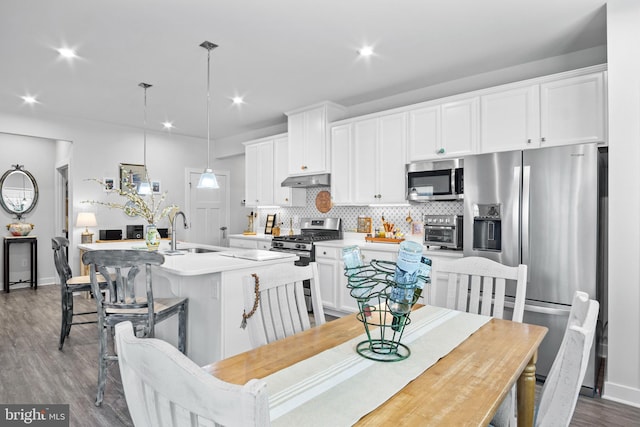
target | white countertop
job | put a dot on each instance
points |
(195, 264)
(358, 239)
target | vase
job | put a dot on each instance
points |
(152, 237)
(20, 228)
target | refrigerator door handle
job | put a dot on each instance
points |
(516, 206)
(547, 310)
(526, 183)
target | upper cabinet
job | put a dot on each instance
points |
(368, 158)
(572, 110)
(442, 130)
(265, 169)
(341, 155)
(284, 196)
(510, 119)
(560, 111)
(308, 147)
(259, 173)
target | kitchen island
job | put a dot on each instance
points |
(212, 281)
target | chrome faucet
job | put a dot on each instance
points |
(173, 228)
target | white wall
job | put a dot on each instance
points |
(96, 150)
(37, 155)
(623, 365)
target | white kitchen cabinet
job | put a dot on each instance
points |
(572, 110)
(510, 120)
(378, 159)
(443, 130)
(568, 110)
(341, 173)
(242, 243)
(307, 128)
(259, 173)
(250, 242)
(336, 296)
(326, 259)
(333, 283)
(284, 196)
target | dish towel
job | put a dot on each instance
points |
(338, 386)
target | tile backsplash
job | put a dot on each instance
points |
(349, 214)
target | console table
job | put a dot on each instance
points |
(33, 244)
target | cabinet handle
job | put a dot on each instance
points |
(303, 167)
(543, 139)
(440, 151)
(324, 252)
(286, 199)
(529, 141)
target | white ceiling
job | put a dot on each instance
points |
(279, 54)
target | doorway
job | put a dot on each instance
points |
(208, 210)
(62, 201)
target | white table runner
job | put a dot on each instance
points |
(338, 387)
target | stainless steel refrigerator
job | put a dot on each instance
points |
(539, 208)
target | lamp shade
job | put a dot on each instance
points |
(144, 188)
(208, 180)
(86, 219)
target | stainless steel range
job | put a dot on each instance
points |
(311, 230)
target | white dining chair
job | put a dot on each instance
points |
(275, 305)
(560, 391)
(478, 285)
(163, 387)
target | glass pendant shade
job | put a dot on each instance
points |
(144, 188)
(208, 180)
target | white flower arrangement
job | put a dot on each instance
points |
(147, 207)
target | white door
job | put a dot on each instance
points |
(208, 214)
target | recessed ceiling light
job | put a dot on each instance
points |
(237, 100)
(167, 125)
(28, 99)
(365, 51)
(67, 52)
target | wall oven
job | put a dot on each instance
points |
(443, 231)
(436, 180)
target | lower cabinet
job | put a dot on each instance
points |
(235, 242)
(336, 297)
(243, 243)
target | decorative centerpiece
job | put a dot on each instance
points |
(147, 207)
(20, 228)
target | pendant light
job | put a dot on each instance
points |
(208, 179)
(145, 186)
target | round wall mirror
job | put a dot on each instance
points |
(18, 191)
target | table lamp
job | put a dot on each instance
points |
(86, 220)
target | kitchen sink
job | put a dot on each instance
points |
(184, 251)
(197, 250)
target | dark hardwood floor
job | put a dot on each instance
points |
(32, 370)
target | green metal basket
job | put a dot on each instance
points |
(371, 286)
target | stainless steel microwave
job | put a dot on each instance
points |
(435, 180)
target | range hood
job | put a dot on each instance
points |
(307, 181)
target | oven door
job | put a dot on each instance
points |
(440, 236)
(304, 257)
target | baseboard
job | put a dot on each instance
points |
(621, 394)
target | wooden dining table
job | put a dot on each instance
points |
(464, 388)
